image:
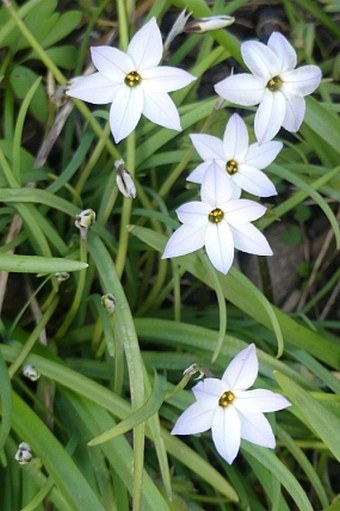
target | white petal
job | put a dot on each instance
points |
(243, 210)
(194, 213)
(219, 246)
(261, 400)
(226, 432)
(125, 111)
(254, 181)
(260, 59)
(197, 175)
(260, 156)
(283, 50)
(302, 81)
(216, 188)
(160, 109)
(256, 429)
(242, 370)
(94, 88)
(249, 239)
(208, 146)
(209, 391)
(235, 139)
(166, 79)
(269, 116)
(184, 240)
(146, 47)
(111, 62)
(195, 419)
(242, 89)
(296, 107)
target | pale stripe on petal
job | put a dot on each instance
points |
(242, 89)
(260, 60)
(146, 47)
(160, 109)
(242, 370)
(193, 420)
(166, 79)
(125, 111)
(269, 116)
(249, 239)
(111, 63)
(219, 246)
(235, 139)
(208, 146)
(226, 432)
(184, 240)
(283, 50)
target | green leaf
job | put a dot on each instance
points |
(323, 122)
(63, 56)
(37, 264)
(6, 402)
(317, 417)
(151, 406)
(21, 80)
(65, 24)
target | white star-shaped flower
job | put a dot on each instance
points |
(219, 223)
(134, 83)
(230, 410)
(275, 84)
(240, 161)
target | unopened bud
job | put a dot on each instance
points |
(24, 454)
(201, 25)
(61, 276)
(124, 180)
(109, 302)
(194, 369)
(177, 28)
(30, 372)
(84, 220)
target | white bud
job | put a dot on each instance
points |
(24, 454)
(193, 369)
(201, 25)
(125, 181)
(61, 276)
(109, 302)
(30, 372)
(84, 220)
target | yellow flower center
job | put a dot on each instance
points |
(133, 79)
(216, 215)
(226, 399)
(231, 167)
(274, 84)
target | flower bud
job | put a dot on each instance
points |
(109, 302)
(30, 372)
(84, 220)
(124, 180)
(24, 454)
(201, 25)
(177, 28)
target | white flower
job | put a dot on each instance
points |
(219, 223)
(240, 161)
(133, 83)
(275, 84)
(230, 410)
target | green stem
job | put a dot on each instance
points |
(33, 338)
(78, 295)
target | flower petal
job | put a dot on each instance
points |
(146, 47)
(215, 189)
(261, 400)
(242, 89)
(256, 429)
(269, 116)
(125, 111)
(295, 113)
(283, 50)
(219, 246)
(160, 109)
(184, 240)
(226, 432)
(208, 146)
(260, 59)
(249, 239)
(261, 155)
(242, 370)
(94, 88)
(235, 139)
(209, 391)
(254, 181)
(242, 211)
(166, 79)
(197, 175)
(193, 420)
(302, 81)
(111, 63)
(194, 213)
